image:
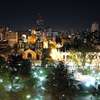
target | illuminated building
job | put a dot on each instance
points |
(24, 38)
(92, 59)
(45, 44)
(29, 54)
(9, 36)
(3, 34)
(45, 41)
(12, 38)
(31, 39)
(33, 31)
(94, 27)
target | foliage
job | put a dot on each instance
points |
(57, 80)
(87, 71)
(46, 57)
(18, 65)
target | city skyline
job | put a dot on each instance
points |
(20, 15)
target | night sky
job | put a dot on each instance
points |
(59, 14)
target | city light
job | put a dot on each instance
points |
(1, 80)
(39, 74)
(8, 87)
(55, 62)
(38, 97)
(28, 96)
(88, 84)
(42, 78)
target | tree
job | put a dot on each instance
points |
(46, 57)
(17, 65)
(58, 82)
(2, 61)
(3, 65)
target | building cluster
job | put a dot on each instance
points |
(7, 37)
(30, 45)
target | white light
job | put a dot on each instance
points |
(42, 88)
(16, 77)
(63, 95)
(19, 64)
(41, 71)
(42, 78)
(93, 72)
(8, 87)
(6, 66)
(54, 54)
(87, 84)
(1, 80)
(35, 74)
(28, 96)
(90, 81)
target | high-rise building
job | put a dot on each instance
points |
(3, 33)
(94, 27)
(40, 24)
(12, 38)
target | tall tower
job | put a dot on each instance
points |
(40, 24)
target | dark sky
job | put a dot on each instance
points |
(21, 14)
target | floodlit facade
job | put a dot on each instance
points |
(29, 54)
(87, 59)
